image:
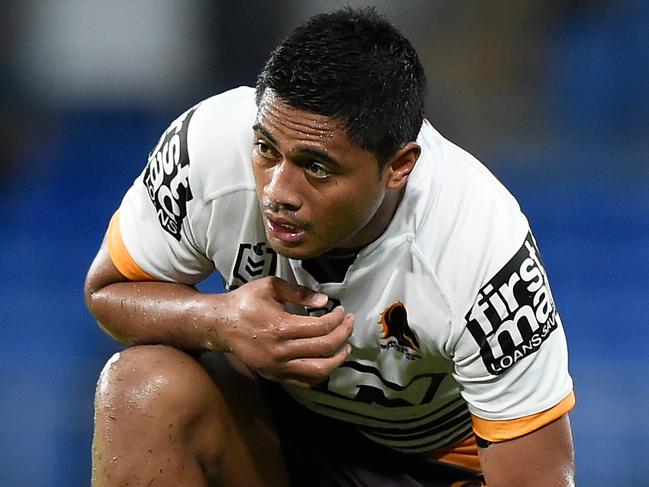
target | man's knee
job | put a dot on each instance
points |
(157, 403)
(154, 382)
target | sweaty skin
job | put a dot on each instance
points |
(317, 189)
(250, 322)
(542, 458)
(318, 192)
(193, 428)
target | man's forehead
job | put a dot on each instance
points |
(275, 113)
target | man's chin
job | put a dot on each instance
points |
(295, 252)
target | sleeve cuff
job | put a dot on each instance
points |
(119, 253)
(495, 430)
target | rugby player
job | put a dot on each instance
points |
(387, 320)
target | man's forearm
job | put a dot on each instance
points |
(251, 322)
(159, 313)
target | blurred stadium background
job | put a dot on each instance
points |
(550, 94)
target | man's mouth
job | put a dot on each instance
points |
(284, 229)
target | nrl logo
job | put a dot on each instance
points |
(396, 333)
(254, 261)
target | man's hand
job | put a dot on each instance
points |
(280, 346)
(250, 322)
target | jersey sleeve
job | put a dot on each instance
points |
(151, 235)
(511, 359)
(506, 340)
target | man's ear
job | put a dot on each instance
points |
(402, 165)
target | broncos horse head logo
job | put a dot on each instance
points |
(394, 320)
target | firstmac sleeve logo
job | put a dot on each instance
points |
(514, 312)
(167, 175)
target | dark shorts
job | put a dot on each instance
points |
(321, 451)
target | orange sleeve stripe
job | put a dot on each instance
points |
(515, 428)
(464, 454)
(119, 253)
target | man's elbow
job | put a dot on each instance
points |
(99, 304)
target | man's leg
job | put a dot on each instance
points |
(162, 420)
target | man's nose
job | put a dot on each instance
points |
(282, 188)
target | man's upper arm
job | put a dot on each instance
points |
(512, 362)
(151, 235)
(102, 272)
(508, 344)
(542, 458)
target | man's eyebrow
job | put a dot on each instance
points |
(310, 152)
(260, 128)
(299, 152)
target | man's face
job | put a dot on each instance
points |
(317, 189)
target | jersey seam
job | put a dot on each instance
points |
(442, 291)
(207, 198)
(476, 167)
(437, 183)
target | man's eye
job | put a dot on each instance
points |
(317, 171)
(263, 149)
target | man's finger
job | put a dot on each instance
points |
(288, 292)
(315, 370)
(297, 326)
(298, 383)
(322, 345)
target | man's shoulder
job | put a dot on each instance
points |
(203, 155)
(239, 100)
(458, 196)
(468, 224)
(219, 143)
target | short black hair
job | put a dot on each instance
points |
(353, 65)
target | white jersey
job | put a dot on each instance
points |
(454, 320)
